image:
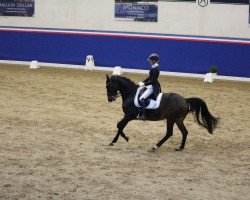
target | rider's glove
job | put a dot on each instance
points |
(141, 84)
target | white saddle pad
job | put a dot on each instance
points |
(154, 104)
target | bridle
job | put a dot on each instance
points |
(114, 97)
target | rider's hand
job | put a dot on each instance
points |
(141, 84)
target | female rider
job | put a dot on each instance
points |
(153, 86)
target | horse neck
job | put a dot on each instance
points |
(127, 89)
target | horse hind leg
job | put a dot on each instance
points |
(184, 133)
(170, 125)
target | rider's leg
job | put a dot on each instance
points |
(145, 95)
(143, 108)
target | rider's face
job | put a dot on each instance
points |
(152, 61)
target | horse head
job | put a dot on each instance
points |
(112, 89)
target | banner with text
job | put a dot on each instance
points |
(24, 8)
(136, 10)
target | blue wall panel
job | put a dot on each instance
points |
(232, 59)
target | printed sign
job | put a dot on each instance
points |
(203, 3)
(137, 10)
(17, 8)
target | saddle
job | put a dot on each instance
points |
(150, 102)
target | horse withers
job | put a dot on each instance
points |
(173, 107)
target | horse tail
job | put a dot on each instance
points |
(201, 114)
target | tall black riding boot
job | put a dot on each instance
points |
(143, 107)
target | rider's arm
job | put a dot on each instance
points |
(146, 80)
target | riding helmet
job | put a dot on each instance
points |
(154, 56)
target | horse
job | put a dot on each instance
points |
(173, 108)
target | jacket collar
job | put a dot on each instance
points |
(155, 65)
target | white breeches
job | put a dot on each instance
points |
(147, 93)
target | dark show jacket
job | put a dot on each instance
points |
(152, 80)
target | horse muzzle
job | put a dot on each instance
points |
(111, 98)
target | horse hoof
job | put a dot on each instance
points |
(127, 139)
(111, 144)
(155, 148)
(179, 149)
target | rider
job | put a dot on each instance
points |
(153, 86)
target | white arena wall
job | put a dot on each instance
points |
(219, 20)
(189, 38)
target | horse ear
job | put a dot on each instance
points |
(107, 78)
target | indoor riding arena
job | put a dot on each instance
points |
(61, 109)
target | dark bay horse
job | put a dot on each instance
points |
(173, 107)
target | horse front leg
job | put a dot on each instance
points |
(119, 132)
(121, 125)
(115, 139)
